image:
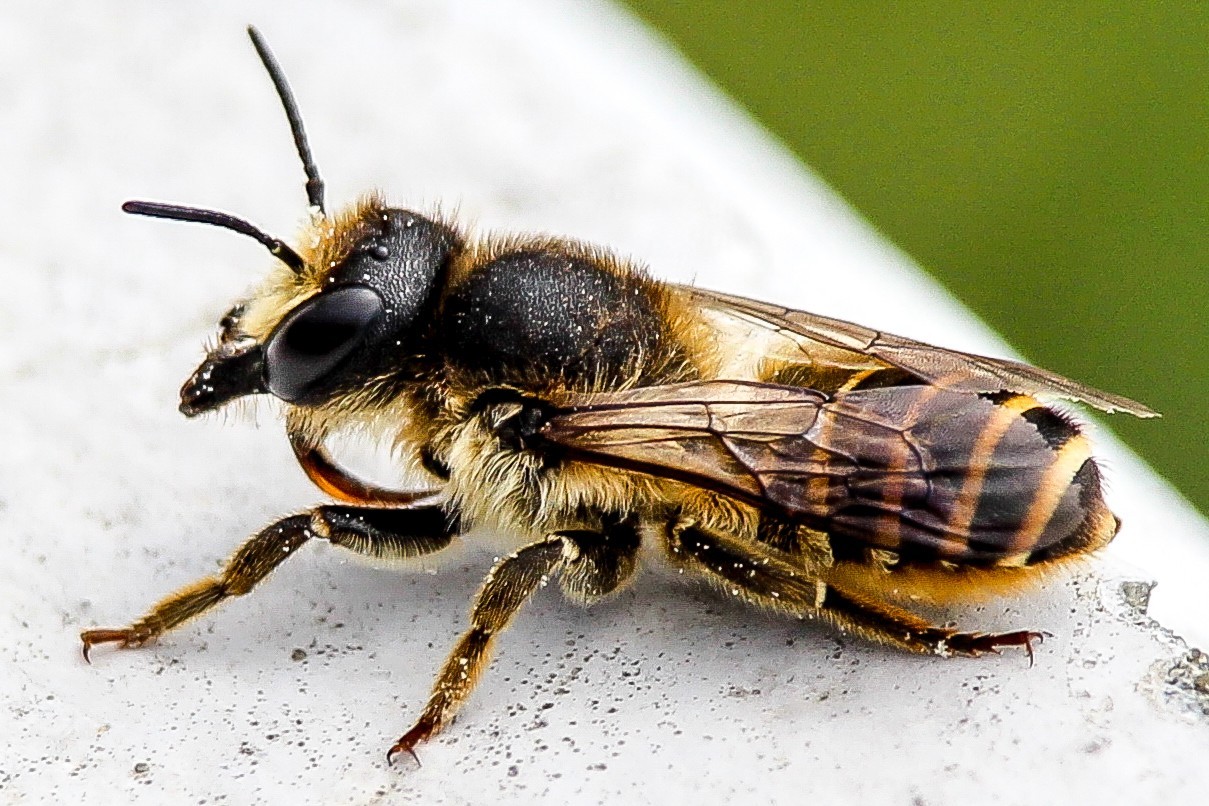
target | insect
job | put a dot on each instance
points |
(553, 391)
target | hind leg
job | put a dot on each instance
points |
(772, 579)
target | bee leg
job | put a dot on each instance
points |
(767, 578)
(887, 624)
(590, 565)
(750, 571)
(604, 561)
(383, 533)
(342, 485)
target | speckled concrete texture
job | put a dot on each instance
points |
(522, 115)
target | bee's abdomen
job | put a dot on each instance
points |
(987, 480)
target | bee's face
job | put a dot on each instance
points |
(376, 284)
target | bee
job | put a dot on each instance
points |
(555, 392)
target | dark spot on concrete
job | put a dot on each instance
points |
(1137, 595)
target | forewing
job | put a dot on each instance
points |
(950, 369)
(896, 468)
(724, 436)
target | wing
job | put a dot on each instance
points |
(926, 471)
(950, 369)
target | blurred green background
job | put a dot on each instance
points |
(1048, 162)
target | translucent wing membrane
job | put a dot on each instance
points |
(949, 369)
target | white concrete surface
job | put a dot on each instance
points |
(525, 114)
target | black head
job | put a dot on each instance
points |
(369, 311)
(372, 312)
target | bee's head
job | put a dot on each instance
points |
(343, 311)
(347, 318)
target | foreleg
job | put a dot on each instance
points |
(383, 533)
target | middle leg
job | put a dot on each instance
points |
(590, 565)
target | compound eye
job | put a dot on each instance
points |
(316, 338)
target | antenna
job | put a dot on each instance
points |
(176, 212)
(314, 185)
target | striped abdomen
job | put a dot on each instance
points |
(972, 479)
(927, 472)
